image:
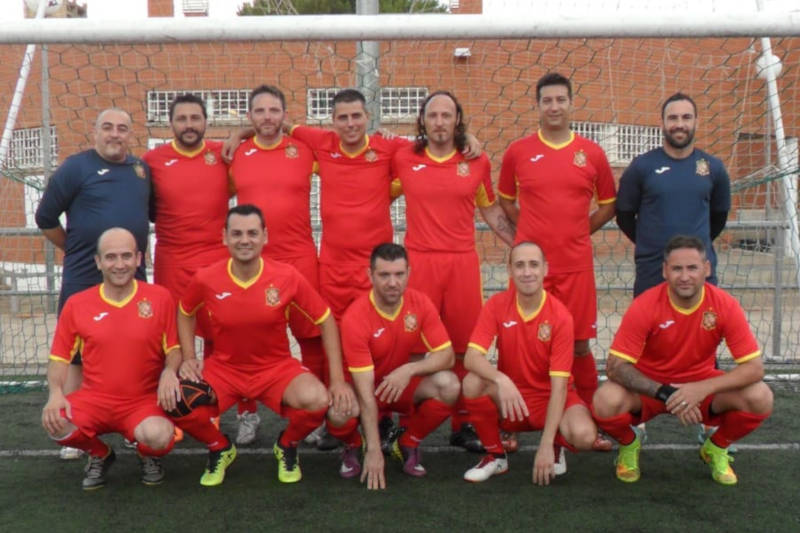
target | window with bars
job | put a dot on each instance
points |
(26, 148)
(195, 7)
(620, 142)
(397, 103)
(222, 105)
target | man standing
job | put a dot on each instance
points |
(442, 189)
(98, 189)
(246, 300)
(662, 361)
(554, 175)
(380, 330)
(531, 388)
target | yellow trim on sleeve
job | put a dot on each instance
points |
(436, 348)
(501, 194)
(624, 356)
(58, 358)
(559, 374)
(478, 347)
(192, 312)
(358, 369)
(748, 357)
(603, 202)
(323, 318)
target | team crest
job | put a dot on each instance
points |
(291, 151)
(545, 331)
(145, 308)
(371, 156)
(139, 170)
(463, 169)
(273, 296)
(210, 158)
(709, 320)
(702, 168)
(580, 158)
(410, 322)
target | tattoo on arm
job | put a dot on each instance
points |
(629, 377)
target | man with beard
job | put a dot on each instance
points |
(672, 190)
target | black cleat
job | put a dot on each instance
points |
(467, 438)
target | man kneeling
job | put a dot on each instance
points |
(532, 384)
(662, 361)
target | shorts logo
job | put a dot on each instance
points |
(709, 320)
(580, 158)
(139, 170)
(145, 308)
(291, 151)
(702, 168)
(410, 322)
(210, 158)
(463, 169)
(273, 296)
(371, 156)
(545, 331)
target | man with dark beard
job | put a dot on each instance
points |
(672, 190)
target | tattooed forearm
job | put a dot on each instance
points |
(629, 377)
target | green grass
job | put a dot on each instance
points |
(675, 492)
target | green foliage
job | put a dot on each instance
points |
(336, 7)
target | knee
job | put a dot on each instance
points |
(155, 432)
(448, 387)
(473, 386)
(608, 400)
(759, 398)
(313, 398)
(584, 435)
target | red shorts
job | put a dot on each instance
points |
(651, 407)
(341, 283)
(308, 266)
(453, 283)
(577, 291)
(405, 404)
(97, 413)
(265, 384)
(537, 412)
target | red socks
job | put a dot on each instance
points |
(735, 425)
(618, 427)
(91, 445)
(348, 433)
(426, 417)
(198, 425)
(301, 423)
(484, 416)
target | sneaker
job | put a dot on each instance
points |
(68, 453)
(628, 460)
(351, 466)
(248, 425)
(704, 432)
(489, 466)
(218, 462)
(130, 444)
(510, 441)
(467, 438)
(327, 442)
(313, 438)
(96, 470)
(288, 463)
(602, 444)
(152, 470)
(560, 466)
(411, 461)
(388, 433)
(719, 461)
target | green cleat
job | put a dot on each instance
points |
(288, 463)
(218, 462)
(719, 461)
(628, 460)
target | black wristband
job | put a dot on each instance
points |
(664, 392)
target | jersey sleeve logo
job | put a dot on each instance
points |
(410, 323)
(291, 151)
(463, 169)
(210, 158)
(580, 159)
(370, 155)
(709, 320)
(145, 308)
(545, 332)
(273, 295)
(702, 168)
(139, 170)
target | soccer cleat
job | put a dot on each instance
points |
(351, 466)
(131, 444)
(388, 432)
(704, 432)
(313, 438)
(68, 453)
(327, 442)
(628, 460)
(152, 470)
(467, 438)
(288, 463)
(602, 444)
(719, 461)
(411, 461)
(510, 441)
(489, 466)
(218, 462)
(96, 470)
(560, 466)
(248, 426)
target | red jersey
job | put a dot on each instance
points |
(122, 344)
(277, 179)
(671, 344)
(373, 340)
(354, 194)
(531, 349)
(441, 195)
(190, 197)
(555, 185)
(248, 319)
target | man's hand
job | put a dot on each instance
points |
(191, 369)
(544, 465)
(685, 402)
(394, 383)
(473, 149)
(512, 406)
(52, 420)
(373, 470)
(342, 398)
(169, 390)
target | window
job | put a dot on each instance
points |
(222, 105)
(399, 104)
(620, 142)
(26, 148)
(195, 7)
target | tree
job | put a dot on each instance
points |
(336, 7)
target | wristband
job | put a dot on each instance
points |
(664, 392)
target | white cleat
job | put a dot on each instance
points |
(67, 453)
(488, 467)
(560, 466)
